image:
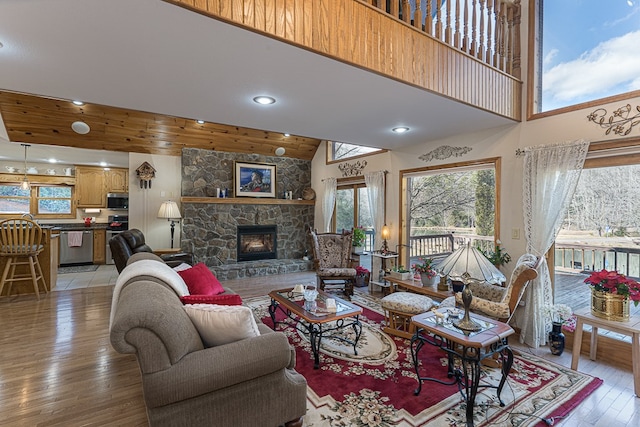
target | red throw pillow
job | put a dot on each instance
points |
(228, 299)
(201, 281)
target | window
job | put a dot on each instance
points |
(39, 200)
(447, 205)
(586, 51)
(14, 200)
(352, 210)
(341, 151)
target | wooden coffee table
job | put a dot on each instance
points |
(315, 319)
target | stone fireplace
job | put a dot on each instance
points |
(257, 242)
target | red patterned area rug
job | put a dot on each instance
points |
(376, 387)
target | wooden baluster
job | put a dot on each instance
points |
(417, 16)
(509, 45)
(438, 6)
(456, 34)
(500, 28)
(490, 18)
(406, 11)
(465, 33)
(474, 29)
(481, 38)
(428, 24)
(517, 70)
(447, 30)
(393, 10)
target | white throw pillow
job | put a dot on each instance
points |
(222, 324)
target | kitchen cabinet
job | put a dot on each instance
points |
(99, 246)
(117, 180)
(90, 187)
(93, 184)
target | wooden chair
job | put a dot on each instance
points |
(21, 243)
(332, 260)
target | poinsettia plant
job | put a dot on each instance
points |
(424, 266)
(614, 283)
(361, 271)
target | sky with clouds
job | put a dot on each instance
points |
(590, 50)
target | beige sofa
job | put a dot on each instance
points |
(251, 382)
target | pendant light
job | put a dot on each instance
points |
(25, 181)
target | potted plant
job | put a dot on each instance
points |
(362, 276)
(358, 239)
(424, 268)
(611, 293)
(498, 256)
(400, 273)
(558, 314)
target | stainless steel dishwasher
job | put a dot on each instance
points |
(76, 254)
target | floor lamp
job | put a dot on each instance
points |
(467, 264)
(171, 212)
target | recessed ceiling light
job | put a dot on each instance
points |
(400, 129)
(78, 102)
(200, 122)
(264, 100)
(280, 151)
(80, 127)
(103, 164)
(287, 134)
(52, 160)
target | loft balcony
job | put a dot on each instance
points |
(465, 50)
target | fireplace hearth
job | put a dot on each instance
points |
(257, 242)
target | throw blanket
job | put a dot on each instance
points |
(147, 267)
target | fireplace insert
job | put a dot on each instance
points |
(256, 242)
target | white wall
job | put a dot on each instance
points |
(500, 142)
(145, 203)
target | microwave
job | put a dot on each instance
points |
(118, 201)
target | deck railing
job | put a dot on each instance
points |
(592, 258)
(485, 29)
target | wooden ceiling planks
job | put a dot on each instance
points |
(41, 120)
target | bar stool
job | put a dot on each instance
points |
(21, 243)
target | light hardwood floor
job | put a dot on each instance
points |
(57, 367)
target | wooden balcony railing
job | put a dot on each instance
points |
(466, 50)
(593, 258)
(486, 29)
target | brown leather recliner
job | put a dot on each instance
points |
(129, 242)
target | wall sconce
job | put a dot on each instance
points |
(171, 212)
(385, 233)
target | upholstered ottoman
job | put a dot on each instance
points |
(399, 307)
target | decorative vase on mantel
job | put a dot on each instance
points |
(609, 306)
(556, 339)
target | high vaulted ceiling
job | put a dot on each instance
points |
(148, 69)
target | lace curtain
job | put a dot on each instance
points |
(329, 201)
(551, 174)
(375, 188)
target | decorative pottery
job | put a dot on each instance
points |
(556, 339)
(609, 306)
(358, 249)
(401, 276)
(426, 281)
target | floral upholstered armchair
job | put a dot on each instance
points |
(332, 260)
(501, 302)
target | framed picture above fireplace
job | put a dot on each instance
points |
(255, 179)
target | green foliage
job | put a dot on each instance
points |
(497, 257)
(485, 202)
(358, 236)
